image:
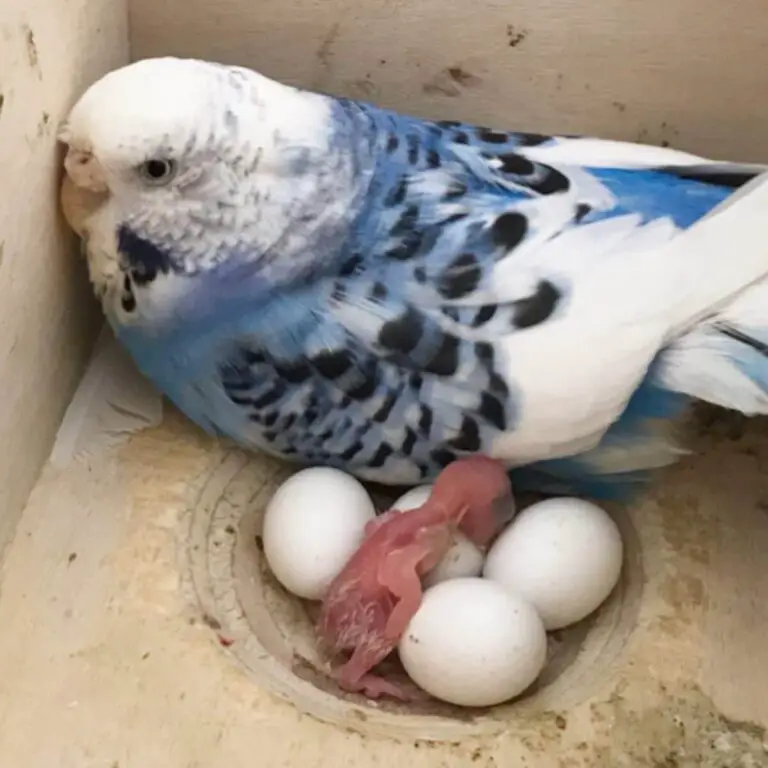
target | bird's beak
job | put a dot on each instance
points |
(83, 189)
(79, 204)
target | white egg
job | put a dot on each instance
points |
(413, 498)
(473, 643)
(562, 555)
(312, 525)
(462, 559)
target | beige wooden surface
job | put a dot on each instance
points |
(49, 51)
(108, 659)
(688, 72)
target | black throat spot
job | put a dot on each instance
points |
(144, 259)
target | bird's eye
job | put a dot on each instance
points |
(158, 171)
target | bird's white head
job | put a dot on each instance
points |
(201, 160)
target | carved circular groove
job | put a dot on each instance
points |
(270, 632)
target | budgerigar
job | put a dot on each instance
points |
(339, 284)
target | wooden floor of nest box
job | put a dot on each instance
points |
(139, 630)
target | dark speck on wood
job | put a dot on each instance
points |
(211, 621)
(32, 56)
(515, 36)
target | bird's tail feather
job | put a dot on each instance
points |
(642, 440)
(705, 269)
(716, 348)
(725, 359)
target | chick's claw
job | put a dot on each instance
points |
(371, 686)
(355, 676)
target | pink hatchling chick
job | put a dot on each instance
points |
(370, 603)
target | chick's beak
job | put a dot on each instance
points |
(83, 189)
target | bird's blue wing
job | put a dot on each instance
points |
(390, 366)
(395, 364)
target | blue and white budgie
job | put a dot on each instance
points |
(339, 284)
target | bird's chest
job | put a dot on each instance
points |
(358, 412)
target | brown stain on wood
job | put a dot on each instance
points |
(211, 621)
(362, 87)
(324, 53)
(680, 728)
(450, 81)
(684, 593)
(32, 55)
